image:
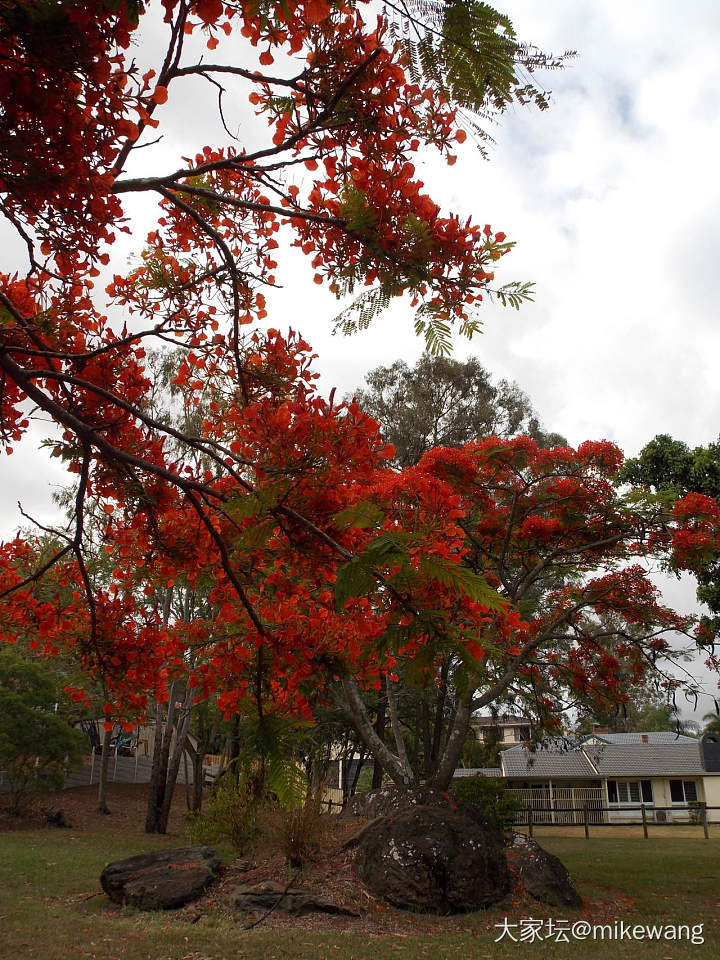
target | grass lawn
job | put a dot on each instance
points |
(49, 910)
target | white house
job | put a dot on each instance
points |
(613, 775)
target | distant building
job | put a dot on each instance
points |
(614, 775)
(505, 729)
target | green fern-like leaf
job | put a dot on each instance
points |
(514, 294)
(361, 312)
(433, 324)
(462, 579)
(359, 575)
(286, 779)
(354, 579)
(362, 515)
(470, 51)
(356, 212)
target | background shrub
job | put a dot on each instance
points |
(37, 745)
(491, 796)
(232, 815)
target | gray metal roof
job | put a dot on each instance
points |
(521, 763)
(646, 759)
(478, 771)
(653, 736)
(677, 758)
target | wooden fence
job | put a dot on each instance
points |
(587, 816)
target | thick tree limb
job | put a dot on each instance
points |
(358, 711)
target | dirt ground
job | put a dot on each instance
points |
(127, 803)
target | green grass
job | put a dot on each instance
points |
(48, 911)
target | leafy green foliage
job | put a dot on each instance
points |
(37, 746)
(711, 722)
(358, 576)
(471, 51)
(436, 329)
(286, 780)
(514, 294)
(362, 514)
(270, 753)
(417, 235)
(667, 464)
(491, 796)
(361, 312)
(356, 212)
(231, 816)
(461, 579)
(354, 579)
(671, 469)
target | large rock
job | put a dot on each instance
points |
(161, 880)
(541, 874)
(377, 803)
(371, 804)
(291, 900)
(440, 859)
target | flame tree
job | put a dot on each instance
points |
(324, 568)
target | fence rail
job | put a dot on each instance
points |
(587, 816)
(559, 805)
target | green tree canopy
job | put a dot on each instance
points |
(36, 744)
(442, 402)
(669, 467)
(646, 712)
(712, 722)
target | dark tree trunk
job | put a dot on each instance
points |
(173, 762)
(156, 788)
(154, 802)
(425, 735)
(197, 753)
(396, 765)
(102, 806)
(173, 737)
(455, 742)
(380, 723)
(440, 701)
(233, 763)
(196, 796)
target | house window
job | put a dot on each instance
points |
(683, 791)
(630, 791)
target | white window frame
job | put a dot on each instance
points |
(626, 785)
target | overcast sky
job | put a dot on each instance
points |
(613, 198)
